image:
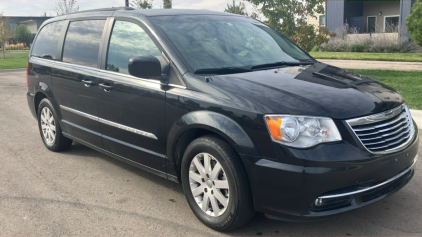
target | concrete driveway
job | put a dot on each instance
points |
(85, 193)
(378, 65)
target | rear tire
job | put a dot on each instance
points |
(211, 171)
(50, 131)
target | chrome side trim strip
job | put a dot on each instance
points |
(129, 129)
(76, 66)
(81, 128)
(131, 77)
(43, 59)
(375, 186)
(177, 86)
(135, 147)
(117, 125)
(95, 118)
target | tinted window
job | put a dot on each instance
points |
(82, 42)
(207, 41)
(128, 40)
(47, 40)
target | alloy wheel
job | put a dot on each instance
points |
(48, 126)
(209, 184)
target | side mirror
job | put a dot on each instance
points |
(148, 67)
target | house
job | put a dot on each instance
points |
(33, 23)
(318, 21)
(368, 16)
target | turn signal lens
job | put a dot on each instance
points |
(274, 127)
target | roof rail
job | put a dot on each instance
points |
(108, 9)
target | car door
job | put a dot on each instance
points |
(75, 80)
(131, 109)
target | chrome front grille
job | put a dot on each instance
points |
(386, 132)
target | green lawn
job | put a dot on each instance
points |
(409, 84)
(403, 57)
(13, 61)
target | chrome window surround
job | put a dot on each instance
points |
(381, 117)
(107, 72)
(372, 187)
(110, 123)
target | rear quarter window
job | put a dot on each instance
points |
(46, 43)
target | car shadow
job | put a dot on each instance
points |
(398, 214)
(80, 150)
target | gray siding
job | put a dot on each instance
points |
(405, 9)
(335, 15)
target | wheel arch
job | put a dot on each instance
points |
(42, 90)
(201, 123)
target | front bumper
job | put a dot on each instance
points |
(341, 175)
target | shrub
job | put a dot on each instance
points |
(307, 37)
(19, 46)
(315, 49)
(376, 42)
(22, 34)
(414, 23)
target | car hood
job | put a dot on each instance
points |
(315, 90)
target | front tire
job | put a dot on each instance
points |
(49, 127)
(216, 185)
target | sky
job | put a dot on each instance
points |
(38, 7)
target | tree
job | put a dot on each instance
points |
(4, 32)
(22, 35)
(236, 9)
(414, 23)
(167, 4)
(142, 4)
(289, 17)
(66, 7)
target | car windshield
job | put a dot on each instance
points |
(227, 42)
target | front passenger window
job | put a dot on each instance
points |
(128, 40)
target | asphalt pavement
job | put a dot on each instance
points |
(85, 193)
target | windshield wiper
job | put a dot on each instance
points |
(222, 70)
(276, 64)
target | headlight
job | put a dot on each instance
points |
(301, 131)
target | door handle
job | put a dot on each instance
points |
(106, 87)
(88, 83)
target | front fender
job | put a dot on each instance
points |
(217, 123)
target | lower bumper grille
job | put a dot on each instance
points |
(343, 197)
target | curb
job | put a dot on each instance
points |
(12, 70)
(417, 117)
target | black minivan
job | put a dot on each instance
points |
(239, 115)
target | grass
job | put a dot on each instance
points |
(13, 61)
(403, 57)
(409, 84)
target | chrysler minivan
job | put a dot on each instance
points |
(240, 116)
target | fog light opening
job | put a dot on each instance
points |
(318, 202)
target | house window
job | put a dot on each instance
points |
(391, 24)
(322, 20)
(371, 24)
(12, 26)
